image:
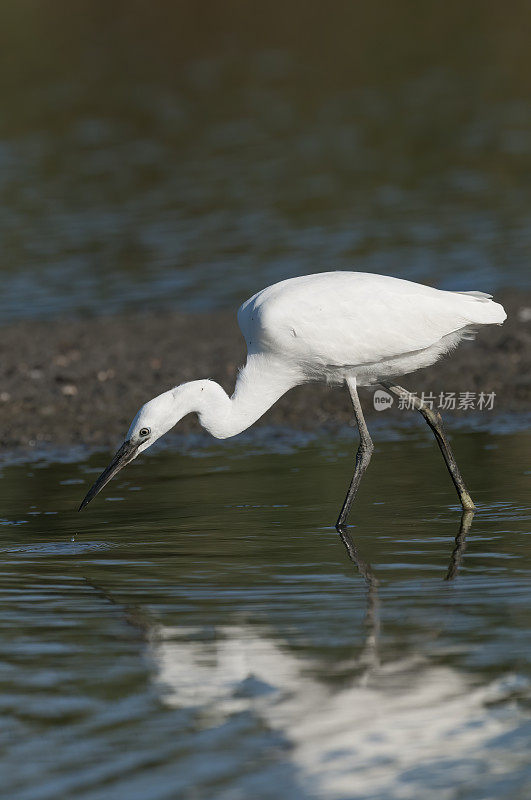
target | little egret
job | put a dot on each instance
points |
(351, 328)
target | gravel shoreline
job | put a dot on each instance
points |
(80, 381)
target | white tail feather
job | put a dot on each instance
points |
(480, 309)
(482, 296)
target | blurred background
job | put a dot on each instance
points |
(186, 154)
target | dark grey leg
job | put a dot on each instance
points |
(363, 456)
(433, 418)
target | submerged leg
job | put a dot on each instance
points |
(363, 456)
(433, 418)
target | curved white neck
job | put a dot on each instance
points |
(259, 385)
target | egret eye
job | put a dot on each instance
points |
(144, 432)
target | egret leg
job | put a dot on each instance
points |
(434, 420)
(363, 456)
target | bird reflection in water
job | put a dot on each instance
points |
(369, 657)
(370, 730)
(460, 544)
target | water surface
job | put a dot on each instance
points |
(189, 157)
(201, 631)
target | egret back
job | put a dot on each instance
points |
(349, 319)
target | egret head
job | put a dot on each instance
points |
(153, 420)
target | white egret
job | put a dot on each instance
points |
(351, 328)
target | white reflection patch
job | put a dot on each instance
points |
(397, 731)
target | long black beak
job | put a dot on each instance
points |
(124, 456)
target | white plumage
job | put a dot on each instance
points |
(335, 325)
(355, 328)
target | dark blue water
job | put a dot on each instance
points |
(144, 169)
(201, 630)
